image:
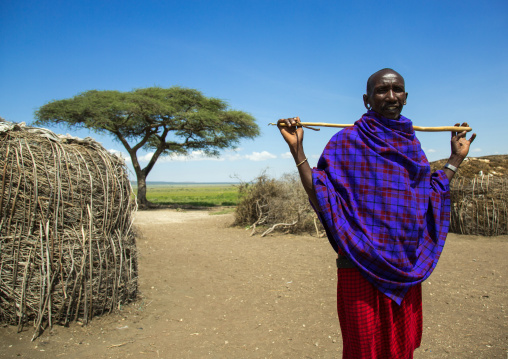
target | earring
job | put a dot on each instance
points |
(369, 107)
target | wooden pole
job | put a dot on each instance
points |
(416, 128)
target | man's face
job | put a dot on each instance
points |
(388, 95)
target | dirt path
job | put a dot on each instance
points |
(211, 291)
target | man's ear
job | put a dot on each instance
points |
(366, 102)
(405, 101)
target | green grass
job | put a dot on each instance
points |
(201, 195)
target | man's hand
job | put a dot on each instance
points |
(460, 145)
(292, 135)
(460, 149)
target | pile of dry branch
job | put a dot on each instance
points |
(273, 204)
(67, 249)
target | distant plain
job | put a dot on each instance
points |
(192, 194)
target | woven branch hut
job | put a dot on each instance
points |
(479, 196)
(479, 205)
(67, 247)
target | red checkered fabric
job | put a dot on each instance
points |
(373, 326)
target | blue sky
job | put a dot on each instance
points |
(272, 59)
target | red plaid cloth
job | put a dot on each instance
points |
(373, 325)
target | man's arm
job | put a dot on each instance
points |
(460, 148)
(294, 137)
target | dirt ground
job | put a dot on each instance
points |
(211, 291)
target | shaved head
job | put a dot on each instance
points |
(372, 79)
(386, 93)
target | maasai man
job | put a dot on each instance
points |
(385, 215)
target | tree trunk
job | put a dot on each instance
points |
(142, 201)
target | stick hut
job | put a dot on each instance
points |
(67, 248)
(479, 205)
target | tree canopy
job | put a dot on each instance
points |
(165, 120)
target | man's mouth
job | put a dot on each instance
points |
(391, 108)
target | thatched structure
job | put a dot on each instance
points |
(67, 249)
(479, 205)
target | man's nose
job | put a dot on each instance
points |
(390, 96)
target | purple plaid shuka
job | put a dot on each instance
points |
(380, 205)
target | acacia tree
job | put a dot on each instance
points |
(163, 120)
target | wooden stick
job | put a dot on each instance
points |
(416, 128)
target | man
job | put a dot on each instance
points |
(384, 213)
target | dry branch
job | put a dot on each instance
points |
(272, 228)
